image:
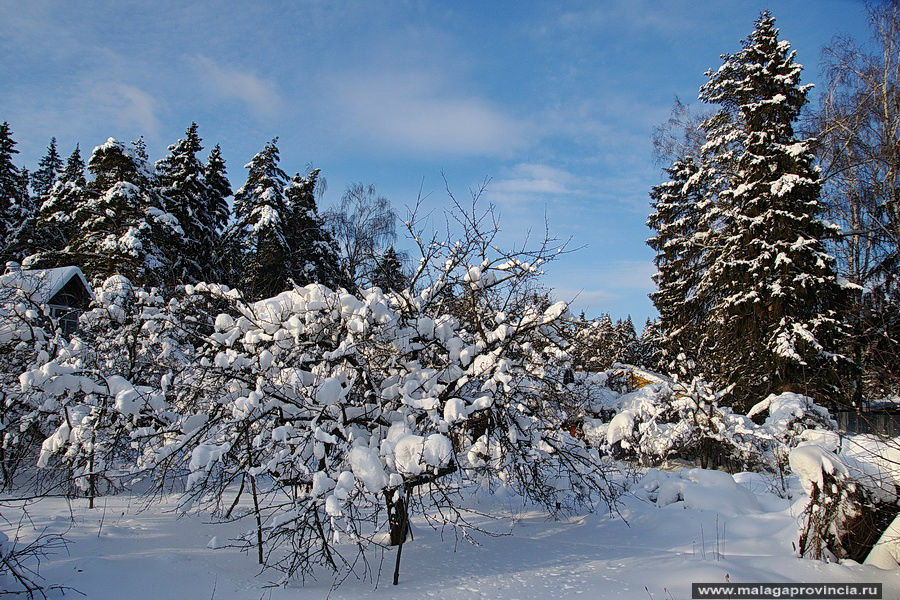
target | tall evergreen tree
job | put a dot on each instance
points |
(313, 255)
(186, 196)
(219, 188)
(626, 341)
(74, 169)
(678, 205)
(773, 322)
(54, 227)
(596, 346)
(388, 274)
(121, 226)
(10, 183)
(47, 172)
(16, 207)
(217, 207)
(688, 216)
(258, 238)
(649, 352)
(139, 149)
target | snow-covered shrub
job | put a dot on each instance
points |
(27, 337)
(332, 414)
(338, 413)
(346, 406)
(787, 417)
(672, 420)
(105, 388)
(854, 487)
(665, 419)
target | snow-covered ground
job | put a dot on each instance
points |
(720, 531)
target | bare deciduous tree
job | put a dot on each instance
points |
(858, 128)
(363, 225)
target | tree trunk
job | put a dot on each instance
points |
(398, 520)
(259, 535)
(92, 482)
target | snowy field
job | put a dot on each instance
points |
(724, 529)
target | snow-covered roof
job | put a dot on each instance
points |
(643, 376)
(43, 284)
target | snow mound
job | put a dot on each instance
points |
(699, 489)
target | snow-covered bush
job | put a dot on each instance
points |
(854, 488)
(672, 420)
(105, 388)
(698, 488)
(338, 413)
(666, 419)
(787, 417)
(27, 336)
(332, 414)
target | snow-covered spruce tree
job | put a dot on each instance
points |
(186, 196)
(139, 151)
(627, 341)
(216, 176)
(688, 217)
(258, 237)
(74, 169)
(313, 255)
(603, 340)
(47, 172)
(594, 344)
(122, 227)
(772, 290)
(337, 415)
(11, 193)
(678, 207)
(54, 228)
(388, 274)
(649, 348)
(17, 210)
(219, 189)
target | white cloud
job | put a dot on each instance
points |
(536, 182)
(419, 112)
(260, 95)
(531, 178)
(127, 105)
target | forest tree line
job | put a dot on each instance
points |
(179, 222)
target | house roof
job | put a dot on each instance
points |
(43, 284)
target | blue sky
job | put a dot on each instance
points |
(553, 102)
